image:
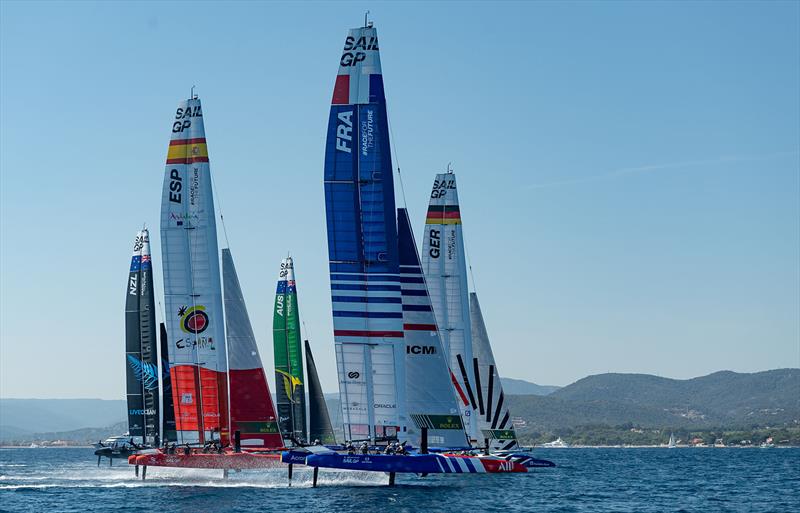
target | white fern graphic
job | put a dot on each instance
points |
(146, 373)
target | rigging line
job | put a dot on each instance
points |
(396, 159)
(218, 201)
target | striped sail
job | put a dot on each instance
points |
(430, 399)
(494, 417)
(192, 288)
(252, 411)
(362, 247)
(288, 353)
(141, 360)
(445, 268)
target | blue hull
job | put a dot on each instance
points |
(417, 463)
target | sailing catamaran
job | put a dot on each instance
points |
(362, 248)
(207, 410)
(461, 322)
(288, 354)
(388, 349)
(141, 358)
(445, 268)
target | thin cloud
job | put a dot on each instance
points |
(619, 173)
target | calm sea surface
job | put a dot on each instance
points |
(636, 480)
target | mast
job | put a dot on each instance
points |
(288, 354)
(252, 411)
(430, 398)
(319, 421)
(140, 350)
(445, 268)
(494, 417)
(192, 288)
(362, 247)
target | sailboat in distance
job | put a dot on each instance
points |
(141, 349)
(444, 265)
(141, 359)
(288, 355)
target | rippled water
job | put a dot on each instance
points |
(635, 480)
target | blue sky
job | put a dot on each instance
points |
(629, 173)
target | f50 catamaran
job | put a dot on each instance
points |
(288, 354)
(381, 305)
(141, 346)
(206, 408)
(362, 248)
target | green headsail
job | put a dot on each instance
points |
(289, 379)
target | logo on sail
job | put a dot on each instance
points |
(290, 384)
(146, 373)
(193, 320)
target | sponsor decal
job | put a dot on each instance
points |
(183, 117)
(290, 384)
(451, 245)
(180, 217)
(384, 405)
(435, 242)
(175, 186)
(187, 398)
(194, 186)
(261, 428)
(440, 187)
(367, 134)
(353, 375)
(149, 411)
(194, 319)
(420, 349)
(138, 243)
(355, 49)
(199, 342)
(344, 131)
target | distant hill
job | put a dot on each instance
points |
(522, 387)
(21, 416)
(722, 399)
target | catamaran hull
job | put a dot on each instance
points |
(412, 463)
(225, 461)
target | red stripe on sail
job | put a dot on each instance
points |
(179, 142)
(458, 389)
(363, 333)
(187, 160)
(419, 327)
(446, 215)
(341, 90)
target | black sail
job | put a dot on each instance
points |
(168, 409)
(141, 357)
(319, 422)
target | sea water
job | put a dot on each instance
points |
(635, 480)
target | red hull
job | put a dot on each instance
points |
(231, 460)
